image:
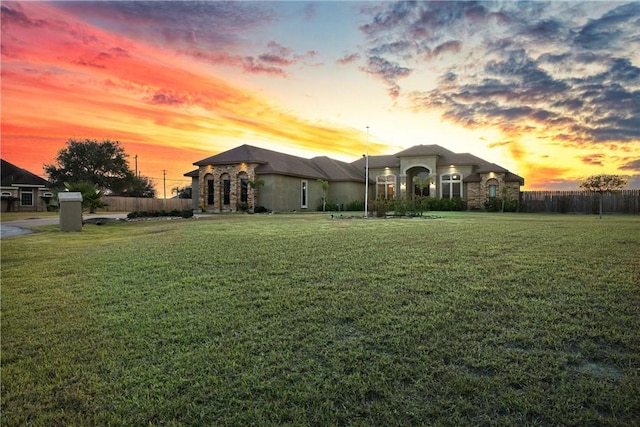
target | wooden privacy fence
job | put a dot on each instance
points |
(623, 201)
(130, 204)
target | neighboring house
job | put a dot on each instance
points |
(23, 190)
(221, 182)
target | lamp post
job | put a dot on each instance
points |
(366, 178)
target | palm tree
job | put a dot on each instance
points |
(255, 184)
(325, 191)
(91, 196)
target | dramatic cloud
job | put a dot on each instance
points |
(348, 59)
(633, 165)
(177, 24)
(518, 67)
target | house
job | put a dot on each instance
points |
(23, 190)
(222, 182)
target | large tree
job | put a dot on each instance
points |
(603, 184)
(103, 164)
(139, 186)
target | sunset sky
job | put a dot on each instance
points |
(550, 91)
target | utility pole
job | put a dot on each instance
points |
(366, 178)
(164, 182)
(136, 158)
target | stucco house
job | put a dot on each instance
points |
(23, 190)
(221, 182)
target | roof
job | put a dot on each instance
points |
(378, 162)
(274, 162)
(12, 175)
(323, 167)
(337, 170)
(508, 177)
(424, 150)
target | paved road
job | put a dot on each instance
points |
(20, 227)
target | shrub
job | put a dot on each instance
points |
(260, 209)
(357, 205)
(243, 206)
(455, 204)
(381, 207)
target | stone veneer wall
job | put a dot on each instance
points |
(233, 170)
(478, 192)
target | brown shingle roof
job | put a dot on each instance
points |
(377, 162)
(273, 162)
(336, 170)
(13, 175)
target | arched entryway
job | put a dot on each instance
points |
(419, 181)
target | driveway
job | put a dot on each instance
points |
(20, 227)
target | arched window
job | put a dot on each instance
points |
(492, 185)
(386, 186)
(226, 189)
(451, 186)
(210, 192)
(244, 187)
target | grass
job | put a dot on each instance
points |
(14, 216)
(471, 319)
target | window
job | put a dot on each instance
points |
(26, 197)
(493, 188)
(303, 194)
(226, 191)
(385, 186)
(451, 186)
(210, 191)
(244, 190)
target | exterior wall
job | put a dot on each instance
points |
(233, 171)
(195, 194)
(473, 195)
(12, 203)
(345, 193)
(429, 162)
(283, 193)
(478, 192)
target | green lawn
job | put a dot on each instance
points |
(470, 319)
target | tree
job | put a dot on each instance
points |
(505, 191)
(139, 186)
(603, 184)
(255, 184)
(103, 164)
(325, 191)
(91, 196)
(422, 183)
(182, 192)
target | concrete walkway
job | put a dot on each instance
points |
(21, 226)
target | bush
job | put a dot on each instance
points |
(381, 207)
(495, 205)
(243, 206)
(455, 204)
(357, 205)
(260, 209)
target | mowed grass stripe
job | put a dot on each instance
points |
(469, 319)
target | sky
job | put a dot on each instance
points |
(549, 90)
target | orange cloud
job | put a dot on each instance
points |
(65, 79)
